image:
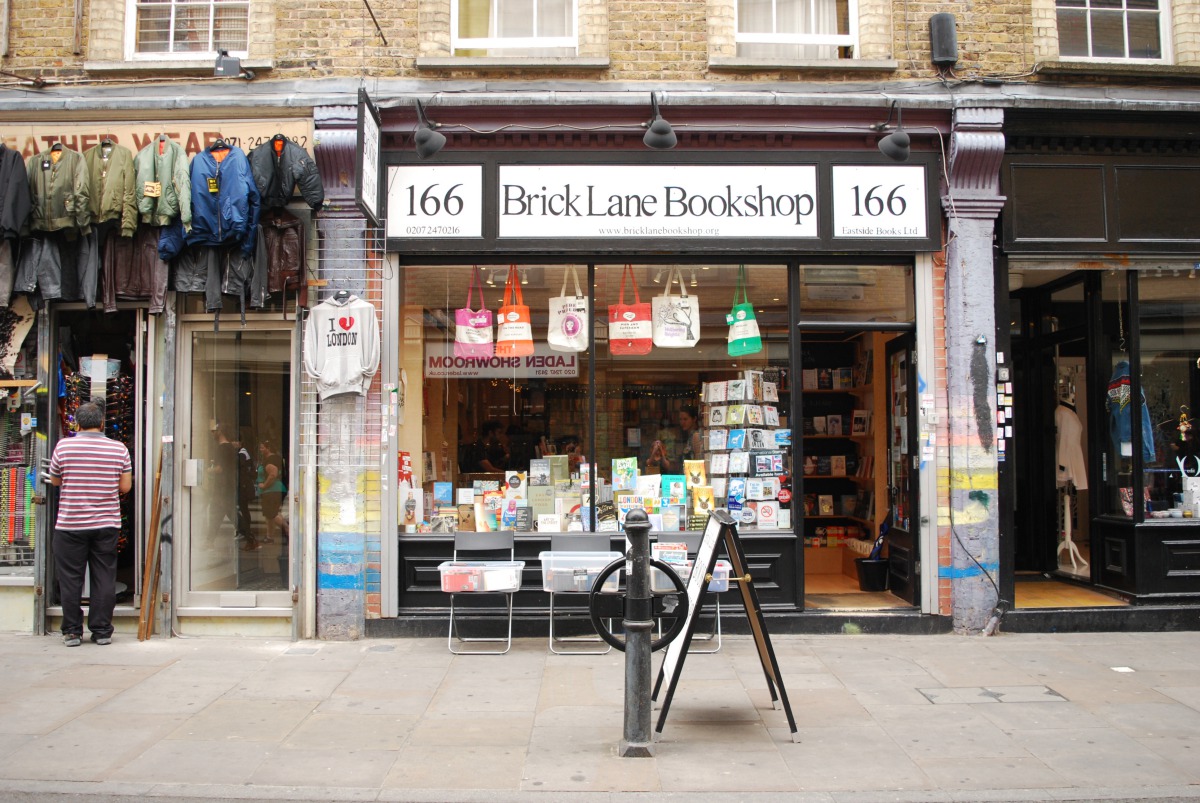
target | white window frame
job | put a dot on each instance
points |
(849, 39)
(1164, 36)
(458, 43)
(131, 20)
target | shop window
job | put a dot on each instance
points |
(1169, 337)
(796, 29)
(191, 29)
(18, 378)
(1110, 30)
(545, 28)
(858, 293)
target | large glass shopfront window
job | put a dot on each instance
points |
(678, 422)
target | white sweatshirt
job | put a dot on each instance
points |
(341, 346)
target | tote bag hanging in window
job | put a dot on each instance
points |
(568, 317)
(473, 328)
(744, 337)
(514, 334)
(629, 329)
(676, 317)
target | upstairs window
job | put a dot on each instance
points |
(1110, 30)
(796, 29)
(545, 28)
(194, 29)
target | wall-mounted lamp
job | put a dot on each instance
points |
(228, 66)
(659, 134)
(491, 279)
(428, 140)
(658, 276)
(524, 276)
(895, 145)
(693, 284)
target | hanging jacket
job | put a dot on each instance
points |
(277, 174)
(198, 270)
(60, 191)
(111, 173)
(225, 200)
(245, 275)
(341, 346)
(1120, 422)
(284, 233)
(133, 270)
(162, 167)
(15, 200)
(59, 267)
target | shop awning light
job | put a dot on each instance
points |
(659, 134)
(895, 145)
(428, 140)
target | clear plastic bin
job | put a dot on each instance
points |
(719, 582)
(465, 576)
(575, 572)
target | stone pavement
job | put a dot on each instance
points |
(900, 718)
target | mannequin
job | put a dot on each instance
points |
(1071, 472)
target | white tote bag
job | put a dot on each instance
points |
(676, 317)
(568, 328)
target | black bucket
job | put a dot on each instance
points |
(872, 573)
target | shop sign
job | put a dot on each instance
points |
(671, 201)
(441, 362)
(195, 136)
(435, 201)
(367, 157)
(877, 201)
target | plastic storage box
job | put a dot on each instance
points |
(719, 582)
(488, 576)
(575, 572)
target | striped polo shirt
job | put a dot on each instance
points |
(90, 465)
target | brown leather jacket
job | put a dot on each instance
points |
(283, 234)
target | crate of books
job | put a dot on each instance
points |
(463, 576)
(576, 572)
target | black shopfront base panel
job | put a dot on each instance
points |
(771, 557)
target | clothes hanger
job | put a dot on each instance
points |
(341, 295)
(219, 145)
(58, 146)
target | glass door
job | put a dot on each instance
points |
(235, 425)
(903, 457)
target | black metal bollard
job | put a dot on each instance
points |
(637, 741)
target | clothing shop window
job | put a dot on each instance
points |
(1110, 30)
(192, 29)
(1122, 411)
(1169, 344)
(796, 29)
(545, 28)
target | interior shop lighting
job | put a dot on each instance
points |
(895, 145)
(659, 134)
(694, 279)
(428, 140)
(658, 276)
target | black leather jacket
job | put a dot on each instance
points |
(276, 176)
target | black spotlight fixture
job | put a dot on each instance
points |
(428, 140)
(659, 134)
(895, 145)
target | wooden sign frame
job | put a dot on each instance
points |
(721, 528)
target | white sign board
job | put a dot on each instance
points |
(543, 363)
(368, 156)
(879, 201)
(675, 201)
(435, 201)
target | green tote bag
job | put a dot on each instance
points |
(744, 337)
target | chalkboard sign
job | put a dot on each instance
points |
(721, 529)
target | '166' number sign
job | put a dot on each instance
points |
(879, 201)
(435, 201)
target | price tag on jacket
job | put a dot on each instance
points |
(212, 184)
(152, 189)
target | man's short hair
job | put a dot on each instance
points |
(89, 416)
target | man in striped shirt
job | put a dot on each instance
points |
(93, 470)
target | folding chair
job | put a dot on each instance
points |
(481, 577)
(592, 552)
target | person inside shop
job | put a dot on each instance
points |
(689, 435)
(572, 447)
(93, 472)
(223, 474)
(270, 490)
(490, 454)
(246, 472)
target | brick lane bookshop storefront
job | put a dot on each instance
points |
(565, 356)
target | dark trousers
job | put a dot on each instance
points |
(75, 551)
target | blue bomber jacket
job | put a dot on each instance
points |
(225, 199)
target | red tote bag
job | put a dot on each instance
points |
(629, 325)
(514, 328)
